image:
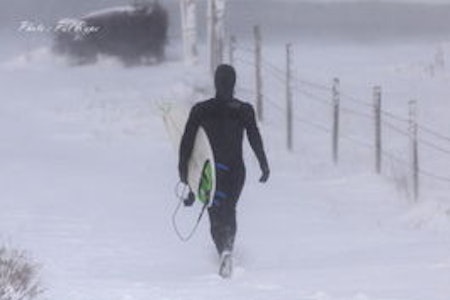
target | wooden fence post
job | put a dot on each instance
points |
(378, 143)
(289, 127)
(413, 130)
(336, 103)
(258, 75)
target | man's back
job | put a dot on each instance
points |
(224, 119)
(224, 123)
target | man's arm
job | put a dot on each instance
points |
(254, 137)
(187, 143)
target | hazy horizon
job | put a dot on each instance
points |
(361, 21)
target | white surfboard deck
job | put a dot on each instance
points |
(175, 118)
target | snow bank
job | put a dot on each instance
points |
(88, 173)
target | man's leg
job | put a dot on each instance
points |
(223, 230)
(222, 213)
(223, 227)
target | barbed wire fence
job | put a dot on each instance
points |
(409, 137)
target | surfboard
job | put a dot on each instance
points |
(201, 169)
(201, 165)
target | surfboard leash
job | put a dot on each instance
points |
(181, 198)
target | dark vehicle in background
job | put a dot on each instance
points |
(135, 34)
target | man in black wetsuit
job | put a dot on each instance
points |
(224, 120)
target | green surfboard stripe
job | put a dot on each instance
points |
(206, 183)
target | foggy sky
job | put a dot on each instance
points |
(338, 19)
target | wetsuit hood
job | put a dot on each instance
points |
(225, 80)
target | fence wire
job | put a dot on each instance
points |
(309, 90)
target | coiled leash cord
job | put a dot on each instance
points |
(181, 194)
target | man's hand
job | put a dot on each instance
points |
(265, 174)
(190, 199)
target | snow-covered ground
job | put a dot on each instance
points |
(88, 176)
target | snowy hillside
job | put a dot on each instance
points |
(88, 176)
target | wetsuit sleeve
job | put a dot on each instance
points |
(254, 137)
(187, 142)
